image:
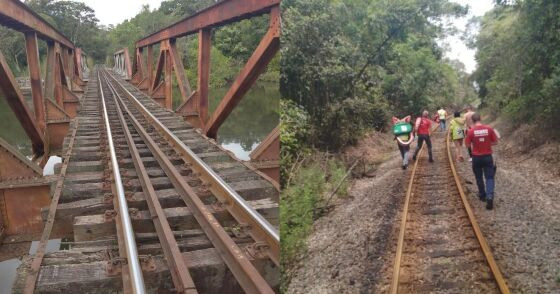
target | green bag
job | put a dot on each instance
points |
(402, 128)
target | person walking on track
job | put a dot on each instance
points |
(402, 129)
(442, 115)
(423, 127)
(457, 133)
(468, 125)
(481, 138)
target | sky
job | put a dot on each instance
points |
(116, 11)
(458, 49)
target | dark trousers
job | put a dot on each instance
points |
(421, 139)
(483, 168)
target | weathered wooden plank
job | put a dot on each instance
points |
(92, 227)
(86, 273)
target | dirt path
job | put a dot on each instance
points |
(351, 250)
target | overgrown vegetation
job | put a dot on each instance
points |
(313, 181)
(353, 64)
(518, 59)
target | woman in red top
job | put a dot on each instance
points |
(481, 138)
(423, 127)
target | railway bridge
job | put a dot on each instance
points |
(144, 199)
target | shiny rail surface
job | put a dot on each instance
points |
(436, 253)
(141, 120)
(137, 281)
(179, 271)
(261, 229)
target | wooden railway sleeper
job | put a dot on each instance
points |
(246, 274)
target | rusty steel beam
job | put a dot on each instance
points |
(168, 79)
(11, 92)
(256, 64)
(123, 64)
(220, 14)
(21, 182)
(35, 79)
(266, 157)
(16, 15)
(204, 46)
(150, 67)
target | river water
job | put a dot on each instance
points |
(251, 120)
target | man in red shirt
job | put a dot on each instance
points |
(423, 127)
(481, 138)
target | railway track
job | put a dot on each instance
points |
(200, 221)
(441, 248)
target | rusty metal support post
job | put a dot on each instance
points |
(204, 46)
(150, 67)
(35, 79)
(79, 63)
(50, 72)
(168, 79)
(58, 72)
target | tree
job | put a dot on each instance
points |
(362, 58)
(519, 60)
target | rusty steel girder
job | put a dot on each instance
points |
(21, 182)
(194, 106)
(16, 15)
(265, 156)
(64, 75)
(122, 63)
(220, 14)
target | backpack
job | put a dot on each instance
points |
(402, 128)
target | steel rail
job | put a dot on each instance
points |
(260, 228)
(137, 280)
(179, 271)
(400, 242)
(246, 274)
(500, 281)
(476, 228)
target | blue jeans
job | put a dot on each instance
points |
(404, 153)
(442, 124)
(483, 166)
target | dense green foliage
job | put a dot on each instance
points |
(519, 60)
(294, 130)
(353, 64)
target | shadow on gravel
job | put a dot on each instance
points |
(382, 242)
